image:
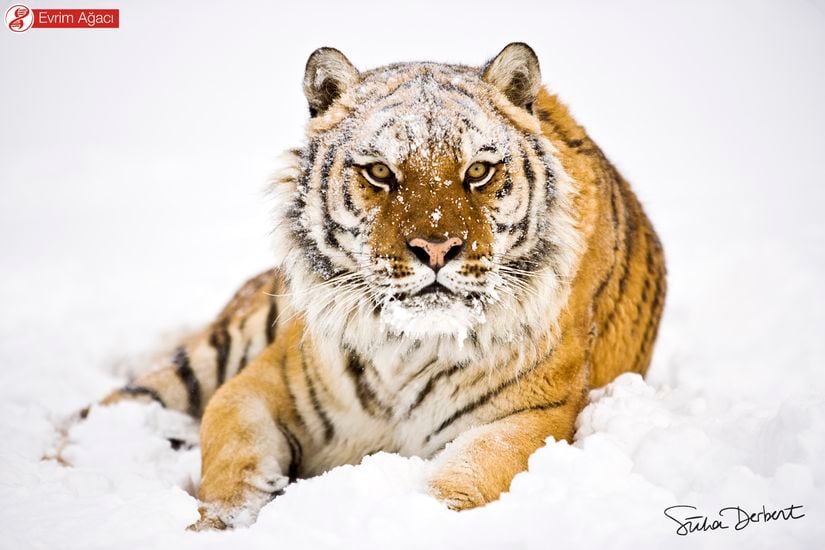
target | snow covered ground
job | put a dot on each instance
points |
(131, 169)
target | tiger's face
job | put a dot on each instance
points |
(426, 193)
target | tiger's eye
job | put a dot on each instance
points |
(477, 170)
(380, 171)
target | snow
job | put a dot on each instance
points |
(131, 176)
(434, 315)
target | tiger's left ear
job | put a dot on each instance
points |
(515, 71)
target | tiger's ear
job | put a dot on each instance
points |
(515, 71)
(328, 75)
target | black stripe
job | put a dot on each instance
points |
(389, 106)
(329, 223)
(656, 306)
(326, 166)
(549, 175)
(470, 126)
(524, 224)
(527, 167)
(473, 405)
(530, 408)
(631, 230)
(614, 211)
(616, 244)
(348, 202)
(375, 98)
(544, 116)
(244, 358)
(221, 342)
(418, 373)
(365, 393)
(428, 387)
(319, 262)
(271, 318)
(308, 163)
(187, 376)
(452, 87)
(329, 429)
(299, 419)
(474, 338)
(386, 124)
(331, 226)
(644, 299)
(534, 259)
(630, 234)
(649, 334)
(295, 450)
(142, 390)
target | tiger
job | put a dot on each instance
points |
(457, 266)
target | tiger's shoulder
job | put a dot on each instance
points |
(620, 284)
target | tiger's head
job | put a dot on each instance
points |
(426, 202)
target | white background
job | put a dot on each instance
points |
(132, 169)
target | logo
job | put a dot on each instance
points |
(19, 18)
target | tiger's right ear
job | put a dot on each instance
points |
(328, 75)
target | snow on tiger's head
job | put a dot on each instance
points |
(426, 202)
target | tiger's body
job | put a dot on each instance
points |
(458, 263)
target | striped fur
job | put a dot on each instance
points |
(557, 287)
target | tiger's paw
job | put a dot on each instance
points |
(218, 516)
(211, 519)
(233, 492)
(458, 492)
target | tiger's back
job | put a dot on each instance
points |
(621, 279)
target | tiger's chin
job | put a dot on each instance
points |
(433, 314)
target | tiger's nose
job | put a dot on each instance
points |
(435, 253)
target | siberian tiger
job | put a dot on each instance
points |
(458, 265)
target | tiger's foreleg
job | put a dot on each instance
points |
(252, 443)
(481, 463)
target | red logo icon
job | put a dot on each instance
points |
(19, 18)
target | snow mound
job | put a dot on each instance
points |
(637, 451)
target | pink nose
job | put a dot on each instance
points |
(435, 254)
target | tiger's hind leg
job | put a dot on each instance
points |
(204, 361)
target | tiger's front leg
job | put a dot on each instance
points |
(246, 460)
(250, 444)
(480, 464)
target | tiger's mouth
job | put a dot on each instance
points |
(434, 296)
(432, 288)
